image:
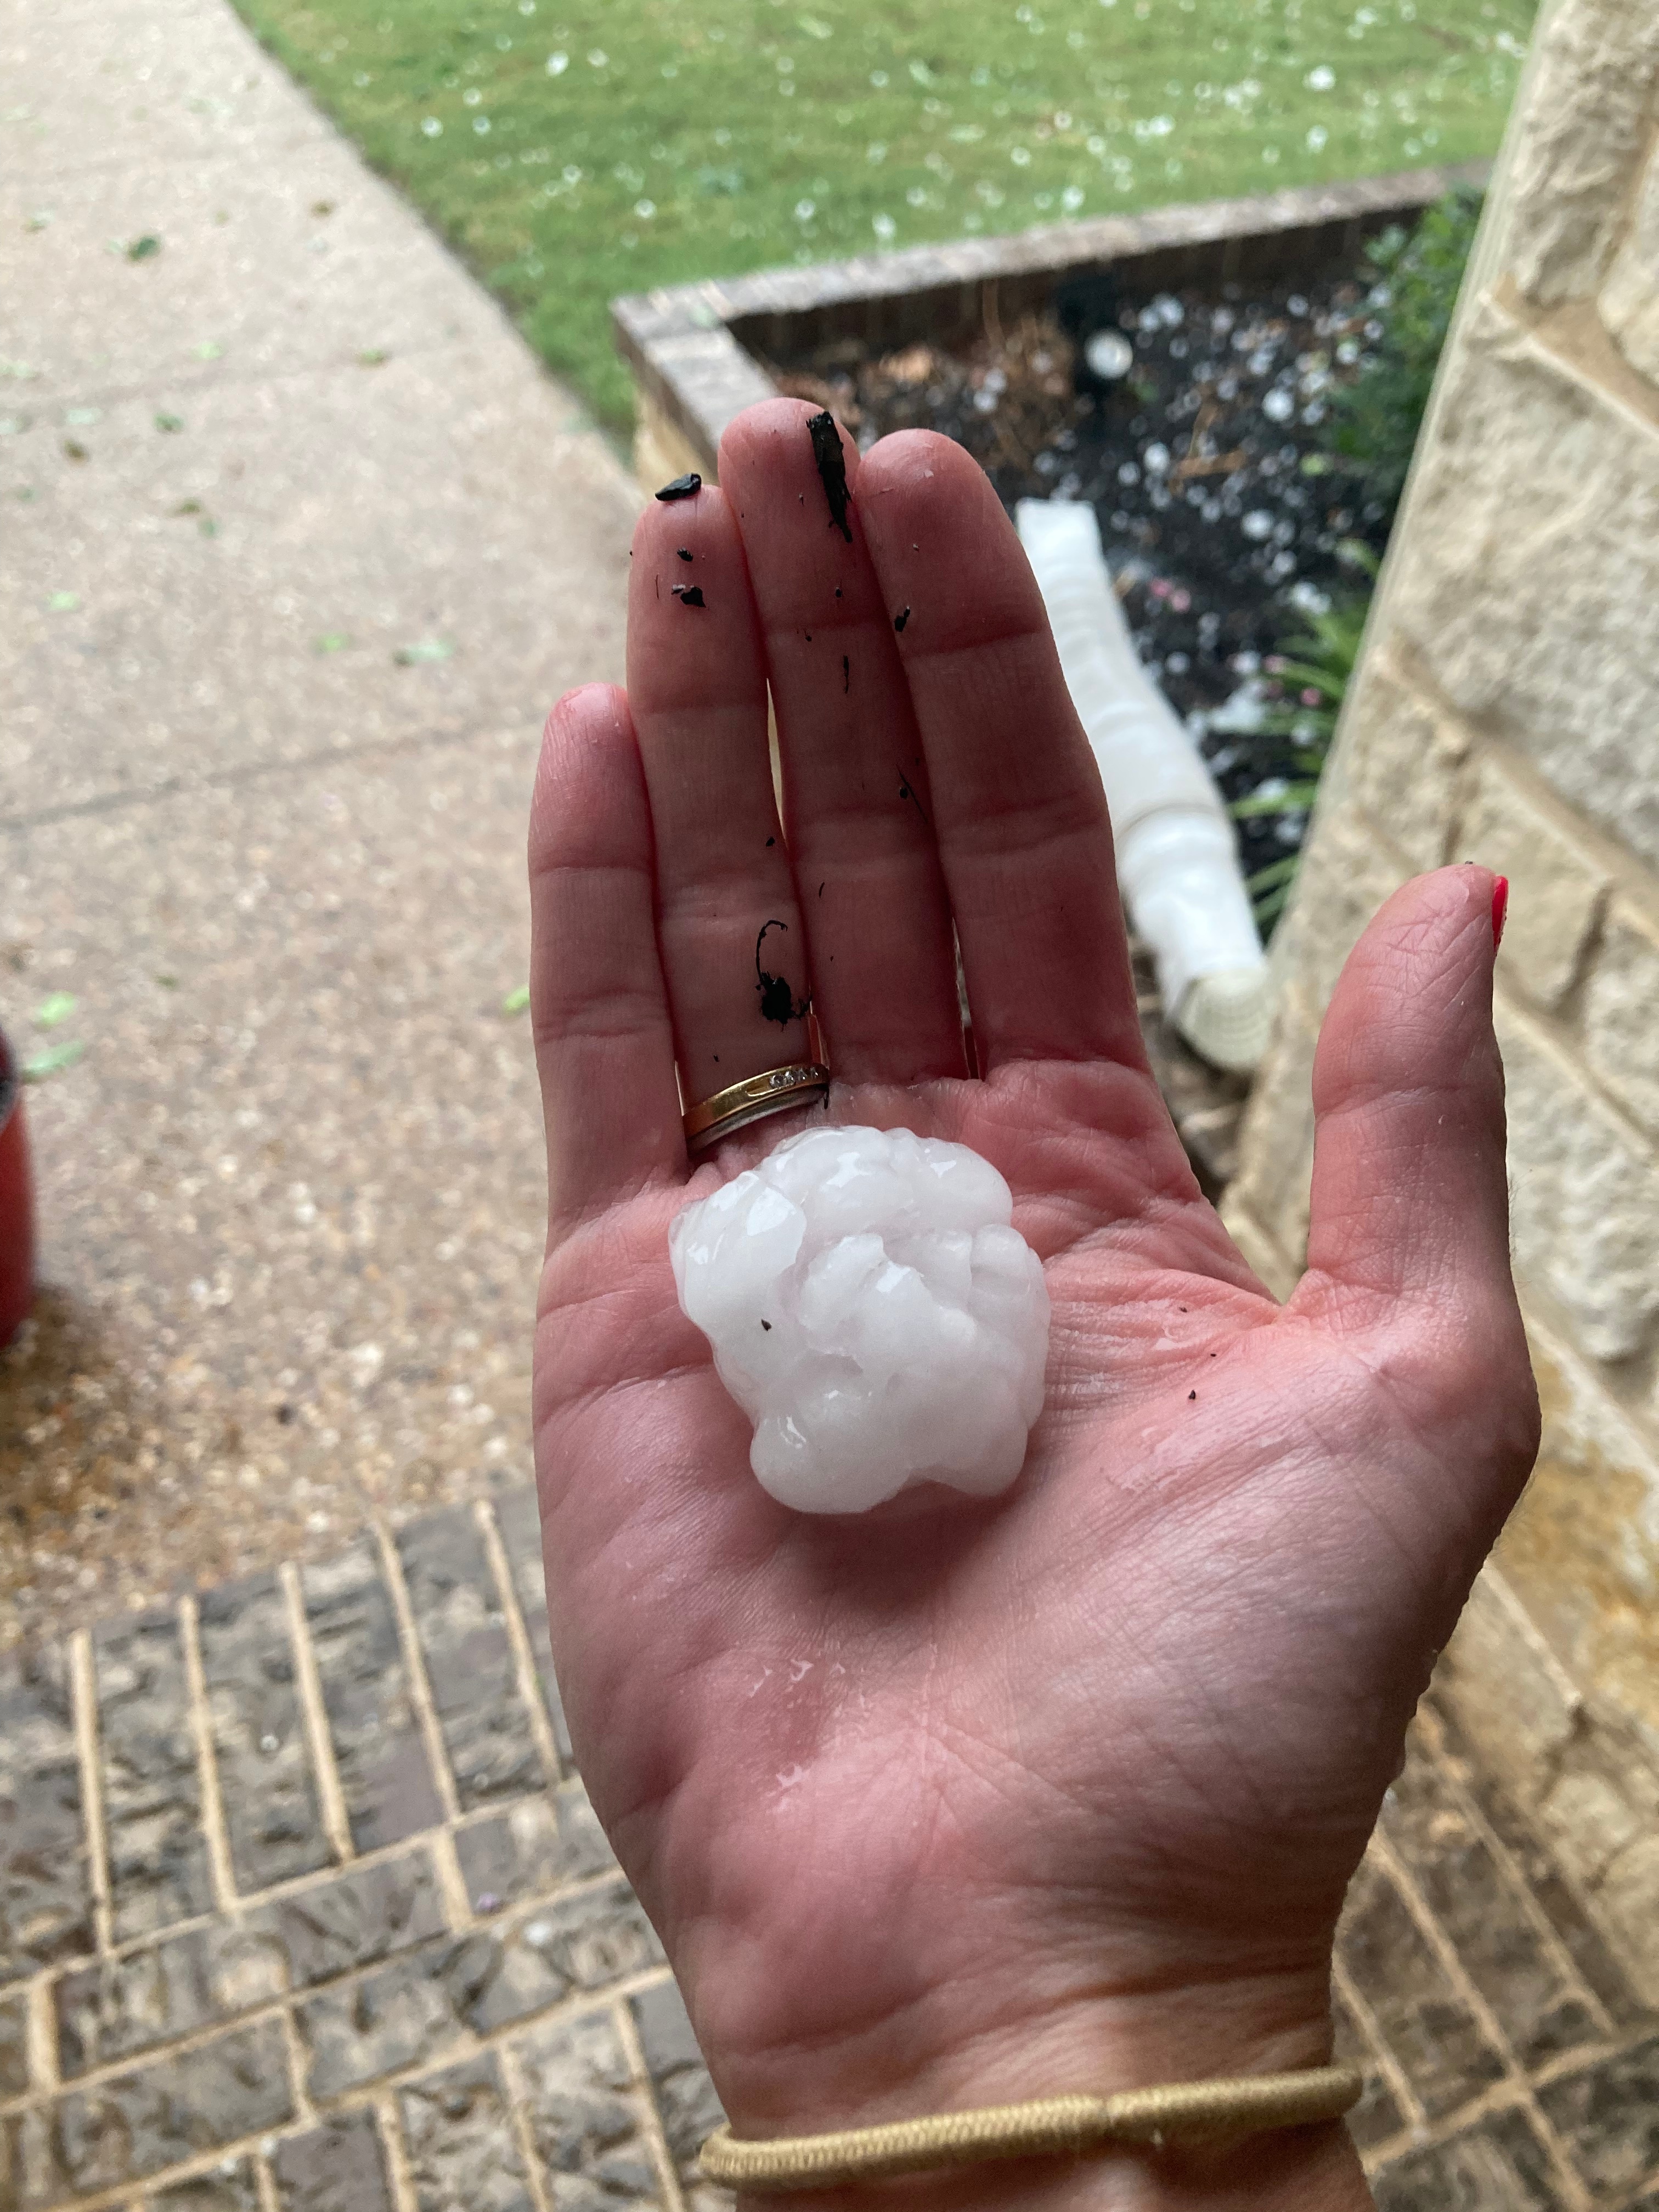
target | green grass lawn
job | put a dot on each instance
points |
(572, 149)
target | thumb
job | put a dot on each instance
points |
(1410, 1199)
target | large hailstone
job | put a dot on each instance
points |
(874, 1312)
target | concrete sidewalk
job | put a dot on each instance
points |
(298, 542)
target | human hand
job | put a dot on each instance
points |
(956, 1801)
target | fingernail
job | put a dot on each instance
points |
(1500, 907)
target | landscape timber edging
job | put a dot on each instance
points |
(692, 348)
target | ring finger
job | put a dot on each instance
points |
(734, 951)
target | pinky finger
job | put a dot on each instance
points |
(604, 1047)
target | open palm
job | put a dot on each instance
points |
(961, 1801)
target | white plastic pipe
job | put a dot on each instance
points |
(1177, 857)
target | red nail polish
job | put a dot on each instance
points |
(1500, 906)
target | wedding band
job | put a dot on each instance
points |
(770, 1092)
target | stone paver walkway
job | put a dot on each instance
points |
(292, 1196)
(302, 1905)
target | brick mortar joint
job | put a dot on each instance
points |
(1500, 2097)
(313, 1718)
(508, 1923)
(662, 2157)
(394, 2150)
(1544, 1933)
(83, 1690)
(518, 1636)
(1463, 1983)
(1553, 1040)
(516, 2097)
(210, 1796)
(361, 2097)
(1624, 221)
(1395, 2077)
(245, 1908)
(1568, 340)
(1555, 1035)
(414, 1670)
(1401, 655)
(265, 2183)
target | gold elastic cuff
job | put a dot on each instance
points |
(770, 1092)
(1176, 2111)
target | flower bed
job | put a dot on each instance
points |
(1219, 335)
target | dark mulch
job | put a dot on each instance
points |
(1221, 520)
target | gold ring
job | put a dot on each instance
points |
(756, 1095)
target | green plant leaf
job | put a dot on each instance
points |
(55, 1010)
(331, 641)
(1276, 872)
(62, 603)
(1295, 799)
(53, 1061)
(1375, 420)
(169, 422)
(426, 648)
(1268, 909)
(1308, 674)
(143, 249)
(516, 1001)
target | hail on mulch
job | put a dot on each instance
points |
(1197, 447)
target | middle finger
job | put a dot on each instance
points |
(855, 792)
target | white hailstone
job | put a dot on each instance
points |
(1109, 354)
(873, 1311)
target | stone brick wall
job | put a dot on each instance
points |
(1507, 710)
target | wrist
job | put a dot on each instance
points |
(904, 2068)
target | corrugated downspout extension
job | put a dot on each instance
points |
(1177, 855)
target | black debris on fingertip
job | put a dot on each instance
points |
(830, 461)
(685, 487)
(684, 552)
(901, 618)
(690, 595)
(906, 793)
(845, 673)
(778, 1002)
